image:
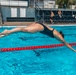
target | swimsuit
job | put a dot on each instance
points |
(46, 31)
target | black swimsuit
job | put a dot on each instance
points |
(46, 30)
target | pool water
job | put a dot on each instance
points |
(51, 61)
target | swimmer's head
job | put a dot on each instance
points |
(61, 34)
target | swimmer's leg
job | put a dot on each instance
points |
(31, 29)
(6, 32)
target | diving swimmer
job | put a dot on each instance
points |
(39, 27)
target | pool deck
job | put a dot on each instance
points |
(28, 23)
(15, 23)
(19, 24)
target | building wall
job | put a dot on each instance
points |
(30, 12)
(8, 6)
(6, 12)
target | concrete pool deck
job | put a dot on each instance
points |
(15, 23)
(28, 23)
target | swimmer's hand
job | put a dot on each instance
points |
(74, 50)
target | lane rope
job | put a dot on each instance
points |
(34, 47)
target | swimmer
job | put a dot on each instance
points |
(39, 27)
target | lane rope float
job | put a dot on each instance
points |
(34, 47)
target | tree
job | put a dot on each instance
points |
(66, 2)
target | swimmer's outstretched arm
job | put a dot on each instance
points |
(68, 46)
(65, 43)
(61, 39)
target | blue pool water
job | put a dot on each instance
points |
(51, 61)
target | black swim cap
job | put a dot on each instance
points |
(61, 34)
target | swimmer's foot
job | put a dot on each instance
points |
(2, 36)
(4, 33)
